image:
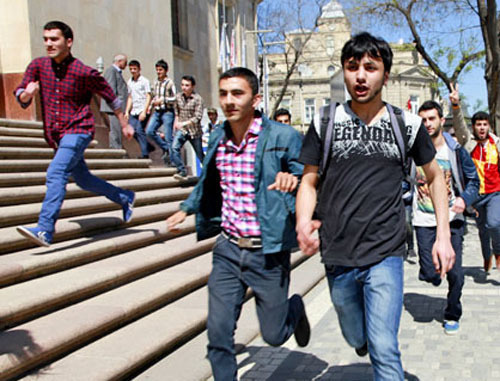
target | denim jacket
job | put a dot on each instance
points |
(463, 170)
(278, 149)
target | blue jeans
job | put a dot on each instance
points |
(157, 119)
(488, 223)
(180, 139)
(140, 134)
(369, 301)
(233, 271)
(426, 236)
(68, 160)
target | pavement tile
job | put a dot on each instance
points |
(428, 354)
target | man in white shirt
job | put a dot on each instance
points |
(139, 98)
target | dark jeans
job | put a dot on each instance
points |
(233, 271)
(425, 239)
(180, 139)
(488, 223)
(140, 134)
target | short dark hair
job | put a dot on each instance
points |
(162, 63)
(189, 78)
(480, 115)
(282, 111)
(431, 105)
(245, 73)
(134, 63)
(64, 28)
(364, 43)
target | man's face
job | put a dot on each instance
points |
(122, 64)
(187, 87)
(432, 122)
(56, 45)
(285, 119)
(212, 116)
(161, 73)
(481, 129)
(135, 71)
(365, 78)
(236, 99)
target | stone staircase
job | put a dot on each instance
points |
(107, 300)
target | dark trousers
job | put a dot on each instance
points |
(233, 271)
(425, 239)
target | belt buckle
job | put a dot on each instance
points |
(245, 243)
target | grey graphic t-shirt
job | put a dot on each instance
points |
(360, 201)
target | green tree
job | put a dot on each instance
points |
(446, 36)
(281, 17)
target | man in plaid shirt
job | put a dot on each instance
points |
(246, 192)
(65, 86)
(187, 124)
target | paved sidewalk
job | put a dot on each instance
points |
(428, 353)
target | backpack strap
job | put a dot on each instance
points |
(327, 119)
(399, 128)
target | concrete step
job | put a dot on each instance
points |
(11, 153)
(28, 300)
(21, 123)
(50, 337)
(22, 141)
(41, 165)
(162, 331)
(73, 227)
(37, 262)
(28, 213)
(26, 132)
(31, 194)
(17, 179)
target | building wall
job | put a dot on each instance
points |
(409, 79)
(140, 29)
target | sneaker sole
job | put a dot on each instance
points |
(180, 177)
(33, 238)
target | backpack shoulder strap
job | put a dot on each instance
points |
(327, 119)
(399, 128)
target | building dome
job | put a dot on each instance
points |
(332, 10)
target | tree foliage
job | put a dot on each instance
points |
(450, 35)
(282, 17)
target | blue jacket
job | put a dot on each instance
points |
(278, 149)
(463, 170)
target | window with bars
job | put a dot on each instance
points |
(310, 109)
(179, 23)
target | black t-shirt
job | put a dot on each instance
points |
(360, 201)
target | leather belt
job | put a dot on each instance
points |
(243, 242)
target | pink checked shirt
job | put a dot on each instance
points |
(236, 165)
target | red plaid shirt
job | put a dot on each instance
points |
(66, 90)
(236, 165)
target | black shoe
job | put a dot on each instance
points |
(362, 351)
(151, 147)
(302, 331)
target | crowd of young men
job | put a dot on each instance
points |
(350, 167)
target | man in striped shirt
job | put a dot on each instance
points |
(65, 86)
(246, 192)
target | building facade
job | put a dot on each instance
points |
(318, 77)
(186, 33)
